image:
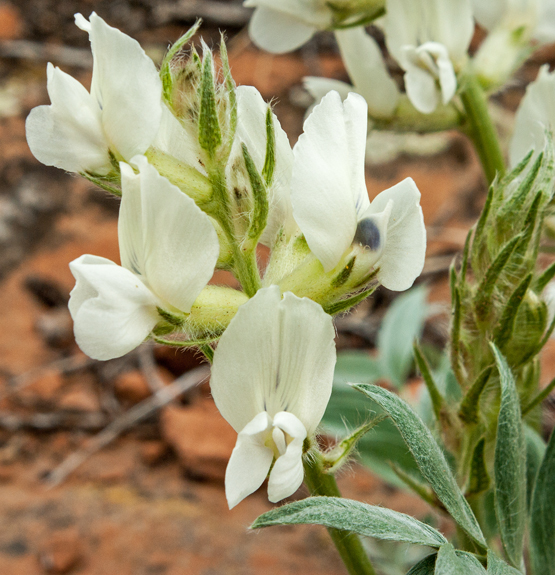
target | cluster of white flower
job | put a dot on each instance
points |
(205, 173)
(429, 40)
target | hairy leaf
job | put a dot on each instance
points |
(425, 567)
(510, 465)
(497, 566)
(542, 513)
(429, 458)
(348, 515)
(452, 562)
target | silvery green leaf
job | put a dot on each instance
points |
(429, 458)
(497, 566)
(535, 452)
(542, 525)
(348, 515)
(452, 562)
(402, 324)
(510, 466)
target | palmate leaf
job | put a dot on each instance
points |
(368, 520)
(428, 456)
(510, 466)
(542, 514)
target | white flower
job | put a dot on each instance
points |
(535, 114)
(330, 201)
(120, 115)
(532, 18)
(429, 40)
(168, 251)
(271, 380)
(363, 60)
(283, 26)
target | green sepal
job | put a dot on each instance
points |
(185, 343)
(347, 303)
(543, 394)
(259, 214)
(342, 277)
(477, 242)
(270, 158)
(547, 275)
(209, 132)
(479, 479)
(466, 255)
(103, 183)
(455, 345)
(504, 330)
(484, 291)
(170, 317)
(469, 408)
(438, 402)
(230, 86)
(165, 66)
(339, 455)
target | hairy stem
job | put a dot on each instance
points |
(480, 128)
(348, 544)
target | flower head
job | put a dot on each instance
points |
(120, 116)
(168, 251)
(331, 205)
(271, 380)
(429, 40)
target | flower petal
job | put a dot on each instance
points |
(287, 473)
(251, 131)
(420, 85)
(113, 311)
(278, 32)
(404, 251)
(366, 67)
(275, 356)
(250, 461)
(126, 85)
(164, 236)
(535, 113)
(68, 133)
(318, 87)
(327, 186)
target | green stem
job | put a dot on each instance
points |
(347, 543)
(480, 127)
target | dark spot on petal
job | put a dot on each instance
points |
(368, 235)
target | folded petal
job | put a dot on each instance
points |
(327, 186)
(535, 114)
(366, 67)
(250, 461)
(112, 310)
(404, 251)
(275, 356)
(421, 87)
(318, 87)
(287, 473)
(164, 236)
(126, 85)
(68, 134)
(278, 32)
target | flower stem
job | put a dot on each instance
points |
(347, 543)
(480, 127)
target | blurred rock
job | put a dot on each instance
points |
(131, 386)
(56, 328)
(202, 439)
(153, 452)
(11, 23)
(80, 399)
(62, 552)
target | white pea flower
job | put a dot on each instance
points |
(121, 114)
(168, 251)
(272, 380)
(531, 18)
(330, 200)
(367, 70)
(535, 114)
(284, 26)
(429, 39)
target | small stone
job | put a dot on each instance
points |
(201, 437)
(61, 553)
(80, 399)
(153, 452)
(131, 387)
